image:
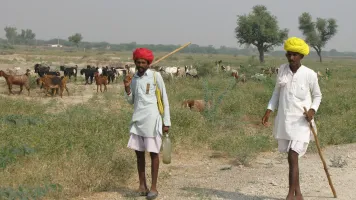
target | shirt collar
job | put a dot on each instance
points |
(147, 73)
(299, 69)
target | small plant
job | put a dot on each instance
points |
(9, 155)
(338, 162)
(28, 193)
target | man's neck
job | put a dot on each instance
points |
(294, 68)
(141, 74)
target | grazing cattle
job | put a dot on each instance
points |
(243, 78)
(196, 105)
(70, 71)
(100, 80)
(169, 70)
(181, 72)
(226, 69)
(41, 70)
(54, 83)
(189, 71)
(99, 70)
(109, 73)
(267, 71)
(21, 80)
(121, 72)
(130, 70)
(89, 73)
(235, 74)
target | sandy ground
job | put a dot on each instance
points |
(194, 176)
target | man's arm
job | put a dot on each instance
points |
(273, 102)
(128, 92)
(162, 87)
(315, 92)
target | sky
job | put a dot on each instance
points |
(202, 22)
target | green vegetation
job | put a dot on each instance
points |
(82, 147)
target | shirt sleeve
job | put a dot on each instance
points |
(315, 92)
(162, 87)
(273, 102)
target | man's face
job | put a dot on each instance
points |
(294, 58)
(141, 65)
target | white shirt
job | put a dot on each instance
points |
(146, 120)
(292, 92)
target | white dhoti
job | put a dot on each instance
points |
(297, 146)
(149, 144)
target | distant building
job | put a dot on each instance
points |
(55, 45)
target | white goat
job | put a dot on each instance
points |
(169, 70)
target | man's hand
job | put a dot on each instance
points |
(266, 117)
(127, 82)
(309, 115)
(165, 129)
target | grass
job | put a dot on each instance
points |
(83, 148)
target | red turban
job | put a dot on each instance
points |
(143, 53)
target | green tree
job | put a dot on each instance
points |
(26, 36)
(11, 34)
(76, 38)
(318, 33)
(260, 29)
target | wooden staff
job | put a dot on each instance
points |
(180, 48)
(321, 156)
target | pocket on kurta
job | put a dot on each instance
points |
(301, 92)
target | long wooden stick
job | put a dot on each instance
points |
(321, 156)
(180, 48)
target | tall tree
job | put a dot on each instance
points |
(26, 36)
(318, 33)
(76, 38)
(10, 34)
(260, 28)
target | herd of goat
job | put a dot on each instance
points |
(52, 80)
(102, 76)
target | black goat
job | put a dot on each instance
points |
(70, 71)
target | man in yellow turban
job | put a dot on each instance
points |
(296, 87)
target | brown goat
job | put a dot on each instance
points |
(21, 80)
(197, 105)
(235, 74)
(100, 80)
(54, 83)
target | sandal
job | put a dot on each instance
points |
(152, 195)
(143, 193)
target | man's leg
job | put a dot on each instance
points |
(294, 186)
(141, 170)
(154, 170)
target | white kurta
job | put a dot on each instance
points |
(146, 120)
(292, 92)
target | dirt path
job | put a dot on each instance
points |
(191, 176)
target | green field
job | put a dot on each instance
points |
(64, 151)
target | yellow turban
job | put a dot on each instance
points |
(297, 45)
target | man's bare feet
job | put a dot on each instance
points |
(290, 197)
(299, 197)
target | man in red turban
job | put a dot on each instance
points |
(147, 125)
